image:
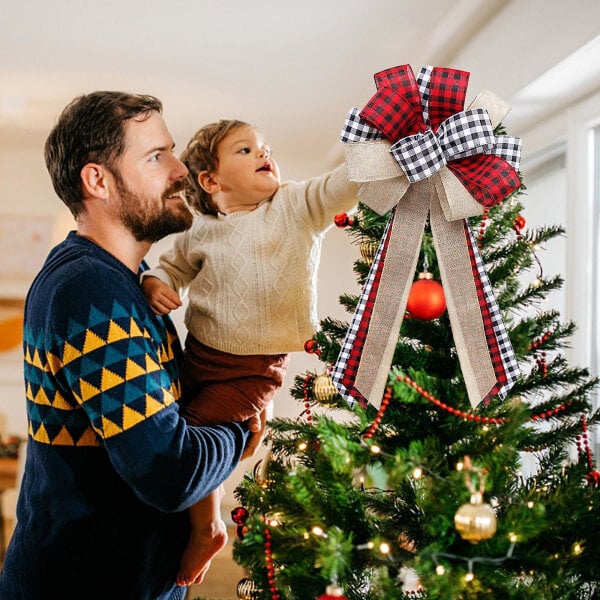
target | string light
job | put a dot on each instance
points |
(472, 560)
(367, 546)
(318, 531)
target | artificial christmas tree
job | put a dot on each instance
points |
(421, 492)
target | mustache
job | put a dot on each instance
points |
(178, 186)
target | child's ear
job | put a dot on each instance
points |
(208, 183)
(93, 181)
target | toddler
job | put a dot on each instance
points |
(249, 265)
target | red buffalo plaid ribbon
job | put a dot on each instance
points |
(421, 156)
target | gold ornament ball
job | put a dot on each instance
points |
(476, 520)
(247, 589)
(323, 389)
(368, 250)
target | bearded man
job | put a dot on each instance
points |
(110, 464)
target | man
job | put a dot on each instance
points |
(110, 464)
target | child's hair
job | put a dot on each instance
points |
(201, 155)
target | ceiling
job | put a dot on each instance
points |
(291, 68)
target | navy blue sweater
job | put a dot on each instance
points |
(110, 463)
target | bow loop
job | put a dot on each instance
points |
(392, 114)
(447, 90)
(419, 156)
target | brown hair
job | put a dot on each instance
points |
(91, 129)
(201, 155)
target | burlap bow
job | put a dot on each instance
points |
(414, 146)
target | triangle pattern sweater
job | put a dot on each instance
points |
(110, 464)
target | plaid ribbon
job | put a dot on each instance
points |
(443, 155)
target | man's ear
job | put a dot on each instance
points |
(94, 182)
(208, 183)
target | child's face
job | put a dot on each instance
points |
(246, 172)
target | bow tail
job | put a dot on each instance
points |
(500, 347)
(485, 354)
(362, 368)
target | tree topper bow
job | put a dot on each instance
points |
(419, 155)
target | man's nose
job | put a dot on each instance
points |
(179, 169)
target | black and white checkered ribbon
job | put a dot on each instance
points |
(356, 130)
(463, 134)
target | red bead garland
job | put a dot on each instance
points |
(470, 416)
(387, 396)
(540, 358)
(270, 567)
(306, 394)
(583, 447)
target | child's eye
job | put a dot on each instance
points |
(244, 150)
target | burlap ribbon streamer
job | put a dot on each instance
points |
(486, 357)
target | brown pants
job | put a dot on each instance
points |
(220, 387)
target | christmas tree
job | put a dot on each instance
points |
(426, 493)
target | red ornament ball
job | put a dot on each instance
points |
(342, 220)
(426, 299)
(333, 592)
(311, 347)
(593, 478)
(520, 222)
(239, 515)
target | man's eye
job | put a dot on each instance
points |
(154, 157)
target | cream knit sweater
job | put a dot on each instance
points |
(251, 276)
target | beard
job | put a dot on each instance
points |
(149, 222)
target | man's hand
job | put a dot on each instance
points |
(258, 428)
(160, 296)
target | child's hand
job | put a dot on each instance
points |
(160, 296)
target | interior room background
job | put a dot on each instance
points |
(294, 69)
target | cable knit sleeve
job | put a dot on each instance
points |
(321, 198)
(176, 266)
